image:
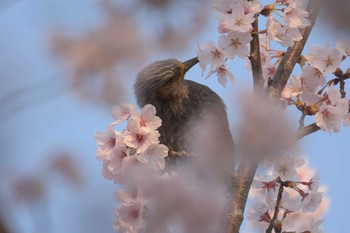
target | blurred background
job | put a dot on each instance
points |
(63, 64)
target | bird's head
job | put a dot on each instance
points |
(162, 80)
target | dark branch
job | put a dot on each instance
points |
(241, 183)
(293, 54)
(277, 207)
(255, 56)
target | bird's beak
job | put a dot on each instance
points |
(188, 64)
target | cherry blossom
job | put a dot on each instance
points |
(130, 194)
(149, 118)
(210, 55)
(311, 202)
(237, 21)
(253, 6)
(328, 118)
(266, 183)
(333, 95)
(122, 112)
(282, 34)
(130, 216)
(311, 79)
(285, 167)
(269, 70)
(257, 211)
(154, 156)
(223, 6)
(295, 16)
(106, 142)
(343, 46)
(313, 183)
(314, 227)
(139, 138)
(326, 59)
(293, 89)
(116, 161)
(235, 43)
(223, 74)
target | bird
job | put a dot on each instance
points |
(194, 117)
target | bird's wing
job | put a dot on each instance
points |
(208, 130)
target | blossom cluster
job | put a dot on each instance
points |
(301, 199)
(154, 197)
(130, 155)
(313, 95)
(284, 21)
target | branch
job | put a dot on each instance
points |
(277, 207)
(293, 54)
(255, 56)
(306, 130)
(3, 228)
(241, 183)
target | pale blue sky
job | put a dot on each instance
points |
(65, 122)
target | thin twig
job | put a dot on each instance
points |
(342, 87)
(293, 54)
(306, 130)
(277, 206)
(302, 120)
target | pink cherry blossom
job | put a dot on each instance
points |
(289, 203)
(238, 20)
(253, 6)
(223, 6)
(106, 142)
(343, 46)
(326, 59)
(311, 202)
(210, 55)
(154, 156)
(257, 211)
(285, 167)
(314, 227)
(266, 183)
(139, 138)
(149, 118)
(130, 216)
(295, 16)
(132, 169)
(269, 70)
(223, 74)
(235, 43)
(293, 89)
(311, 79)
(280, 33)
(130, 193)
(123, 112)
(328, 118)
(120, 152)
(313, 183)
(333, 95)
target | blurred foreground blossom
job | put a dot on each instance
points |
(264, 130)
(150, 197)
(100, 61)
(97, 59)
